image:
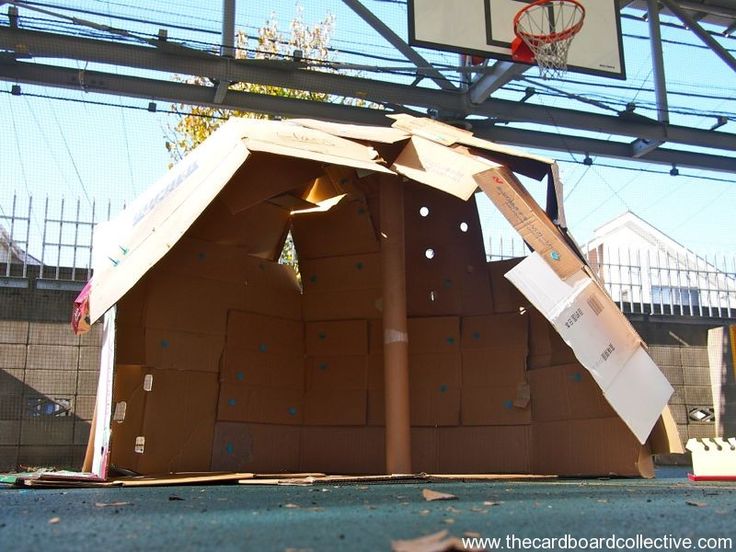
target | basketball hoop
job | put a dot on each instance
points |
(544, 31)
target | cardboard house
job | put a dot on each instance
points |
(397, 346)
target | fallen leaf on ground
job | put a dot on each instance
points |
(694, 503)
(54, 520)
(430, 495)
(109, 504)
(290, 505)
(492, 503)
(472, 534)
(437, 542)
(448, 521)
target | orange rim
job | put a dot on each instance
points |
(551, 37)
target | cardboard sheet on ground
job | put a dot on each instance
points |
(602, 339)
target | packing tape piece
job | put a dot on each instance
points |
(120, 410)
(140, 444)
(395, 336)
(148, 382)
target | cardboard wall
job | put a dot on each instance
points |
(287, 375)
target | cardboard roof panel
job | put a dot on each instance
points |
(384, 135)
(518, 160)
(129, 245)
(435, 165)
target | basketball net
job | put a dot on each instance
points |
(544, 32)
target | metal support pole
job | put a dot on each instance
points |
(395, 332)
(228, 28)
(660, 87)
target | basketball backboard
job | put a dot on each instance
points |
(485, 28)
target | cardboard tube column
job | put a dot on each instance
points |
(395, 337)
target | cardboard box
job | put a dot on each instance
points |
(258, 448)
(425, 449)
(493, 367)
(348, 272)
(256, 231)
(439, 334)
(168, 428)
(191, 304)
(264, 334)
(242, 366)
(566, 393)
(493, 331)
(343, 450)
(336, 390)
(495, 449)
(274, 405)
(599, 447)
(484, 406)
(434, 381)
(506, 298)
(346, 229)
(178, 350)
(130, 344)
(546, 347)
(343, 305)
(333, 338)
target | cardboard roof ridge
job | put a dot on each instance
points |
(448, 135)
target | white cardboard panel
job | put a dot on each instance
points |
(602, 339)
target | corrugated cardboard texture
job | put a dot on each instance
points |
(546, 347)
(434, 335)
(344, 337)
(566, 393)
(176, 418)
(348, 450)
(179, 350)
(255, 448)
(264, 334)
(434, 380)
(506, 298)
(589, 447)
(445, 256)
(504, 449)
(346, 229)
(336, 390)
(257, 231)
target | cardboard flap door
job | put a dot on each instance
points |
(602, 339)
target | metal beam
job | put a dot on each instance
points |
(701, 33)
(499, 75)
(655, 39)
(603, 148)
(178, 92)
(291, 75)
(397, 42)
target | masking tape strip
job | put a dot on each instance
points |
(395, 336)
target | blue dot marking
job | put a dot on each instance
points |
(555, 256)
(240, 376)
(201, 256)
(476, 335)
(229, 448)
(232, 402)
(443, 388)
(262, 347)
(323, 366)
(359, 265)
(313, 279)
(451, 340)
(292, 411)
(447, 283)
(322, 336)
(576, 376)
(508, 405)
(165, 343)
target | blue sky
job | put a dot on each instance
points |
(76, 149)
